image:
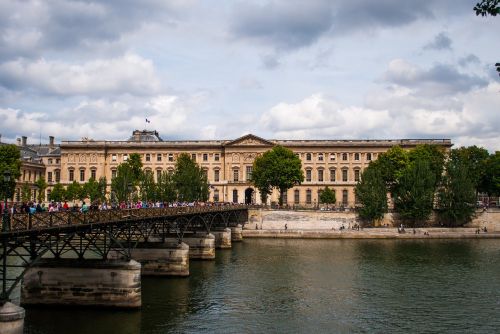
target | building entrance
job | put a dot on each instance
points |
(249, 196)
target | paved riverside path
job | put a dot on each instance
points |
(372, 233)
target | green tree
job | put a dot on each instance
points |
(75, 191)
(487, 7)
(433, 154)
(147, 186)
(58, 193)
(327, 196)
(457, 193)
(414, 194)
(41, 184)
(475, 159)
(165, 188)
(372, 194)
(95, 190)
(190, 180)
(135, 163)
(122, 181)
(491, 180)
(277, 168)
(10, 160)
(26, 193)
(391, 165)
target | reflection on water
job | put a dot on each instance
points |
(325, 286)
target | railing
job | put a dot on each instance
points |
(43, 220)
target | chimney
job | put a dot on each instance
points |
(51, 141)
(25, 140)
(18, 141)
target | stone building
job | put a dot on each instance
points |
(228, 163)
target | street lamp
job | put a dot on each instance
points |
(6, 181)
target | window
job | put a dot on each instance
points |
(344, 197)
(249, 172)
(236, 175)
(216, 195)
(113, 157)
(344, 156)
(320, 157)
(368, 156)
(235, 196)
(71, 175)
(158, 157)
(356, 175)
(48, 194)
(308, 175)
(308, 196)
(296, 196)
(308, 156)
(82, 175)
(332, 175)
(285, 197)
(93, 174)
(344, 175)
(333, 156)
(205, 172)
(205, 157)
(49, 176)
(216, 175)
(320, 175)
(58, 161)
(113, 173)
(148, 157)
(170, 157)
(57, 173)
(193, 156)
(356, 156)
(216, 157)
(125, 157)
(50, 161)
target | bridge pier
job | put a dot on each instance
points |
(201, 245)
(163, 259)
(237, 233)
(222, 238)
(111, 283)
(11, 319)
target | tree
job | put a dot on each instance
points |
(95, 190)
(487, 7)
(391, 165)
(26, 192)
(475, 159)
(491, 180)
(41, 184)
(433, 154)
(135, 163)
(372, 194)
(277, 168)
(121, 182)
(327, 196)
(58, 193)
(190, 180)
(147, 186)
(457, 193)
(10, 160)
(414, 194)
(75, 191)
(165, 188)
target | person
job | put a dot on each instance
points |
(85, 208)
(286, 227)
(65, 206)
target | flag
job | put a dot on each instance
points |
(147, 121)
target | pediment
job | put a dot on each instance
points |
(249, 140)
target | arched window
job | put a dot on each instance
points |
(216, 175)
(344, 175)
(308, 175)
(235, 196)
(333, 172)
(296, 196)
(345, 197)
(308, 196)
(356, 175)
(320, 175)
(57, 175)
(344, 156)
(93, 174)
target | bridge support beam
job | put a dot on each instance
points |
(163, 259)
(222, 238)
(11, 319)
(237, 233)
(201, 246)
(111, 283)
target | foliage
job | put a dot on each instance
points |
(457, 193)
(277, 168)
(190, 180)
(41, 184)
(491, 180)
(9, 160)
(135, 163)
(372, 194)
(165, 188)
(414, 194)
(75, 191)
(327, 196)
(475, 159)
(26, 192)
(486, 7)
(433, 154)
(391, 165)
(95, 190)
(58, 193)
(122, 185)
(147, 186)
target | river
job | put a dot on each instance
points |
(311, 286)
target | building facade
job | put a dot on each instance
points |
(228, 164)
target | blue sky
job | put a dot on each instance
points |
(291, 69)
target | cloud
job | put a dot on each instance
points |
(469, 59)
(440, 79)
(130, 74)
(440, 42)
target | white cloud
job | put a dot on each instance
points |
(130, 74)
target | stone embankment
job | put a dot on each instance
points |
(338, 225)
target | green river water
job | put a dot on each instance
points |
(311, 286)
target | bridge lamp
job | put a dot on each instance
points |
(6, 181)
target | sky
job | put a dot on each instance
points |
(280, 69)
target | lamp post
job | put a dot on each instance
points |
(6, 181)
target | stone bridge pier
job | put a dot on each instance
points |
(222, 238)
(237, 233)
(163, 259)
(201, 245)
